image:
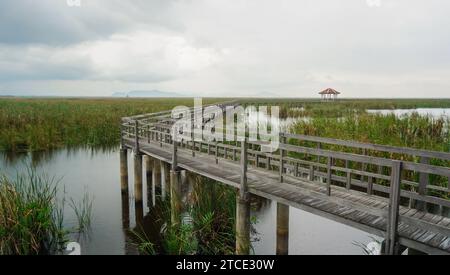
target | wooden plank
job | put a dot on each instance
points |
(428, 169)
(376, 147)
(343, 202)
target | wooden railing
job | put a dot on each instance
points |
(388, 172)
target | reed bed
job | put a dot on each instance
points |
(30, 219)
(31, 215)
(42, 124)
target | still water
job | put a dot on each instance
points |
(433, 112)
(97, 173)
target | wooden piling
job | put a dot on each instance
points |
(156, 180)
(243, 208)
(282, 229)
(125, 210)
(124, 170)
(163, 180)
(138, 190)
(175, 197)
(149, 179)
(124, 188)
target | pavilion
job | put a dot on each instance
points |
(329, 94)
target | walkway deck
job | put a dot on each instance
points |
(352, 189)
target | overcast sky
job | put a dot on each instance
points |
(295, 48)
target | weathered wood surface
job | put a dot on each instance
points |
(357, 209)
(383, 190)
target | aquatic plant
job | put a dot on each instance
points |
(32, 215)
(30, 124)
(83, 212)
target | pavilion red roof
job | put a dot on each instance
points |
(329, 91)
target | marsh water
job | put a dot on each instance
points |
(96, 172)
(433, 112)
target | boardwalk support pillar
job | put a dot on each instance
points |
(138, 190)
(165, 179)
(282, 229)
(175, 185)
(243, 208)
(175, 197)
(156, 180)
(124, 188)
(149, 179)
(124, 170)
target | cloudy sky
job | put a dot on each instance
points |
(294, 48)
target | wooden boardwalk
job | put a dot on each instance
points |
(360, 185)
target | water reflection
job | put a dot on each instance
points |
(114, 214)
(433, 112)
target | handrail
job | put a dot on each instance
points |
(327, 164)
(376, 147)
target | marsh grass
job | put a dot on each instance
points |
(83, 212)
(413, 130)
(30, 124)
(32, 215)
(208, 227)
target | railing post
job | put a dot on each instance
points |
(330, 163)
(394, 205)
(243, 207)
(281, 164)
(348, 184)
(174, 151)
(244, 163)
(311, 172)
(122, 130)
(193, 133)
(136, 136)
(424, 180)
(217, 152)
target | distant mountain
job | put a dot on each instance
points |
(152, 93)
(119, 94)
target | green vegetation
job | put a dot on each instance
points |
(31, 219)
(31, 216)
(30, 124)
(414, 131)
(42, 124)
(316, 108)
(207, 227)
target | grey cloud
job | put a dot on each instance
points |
(286, 47)
(54, 22)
